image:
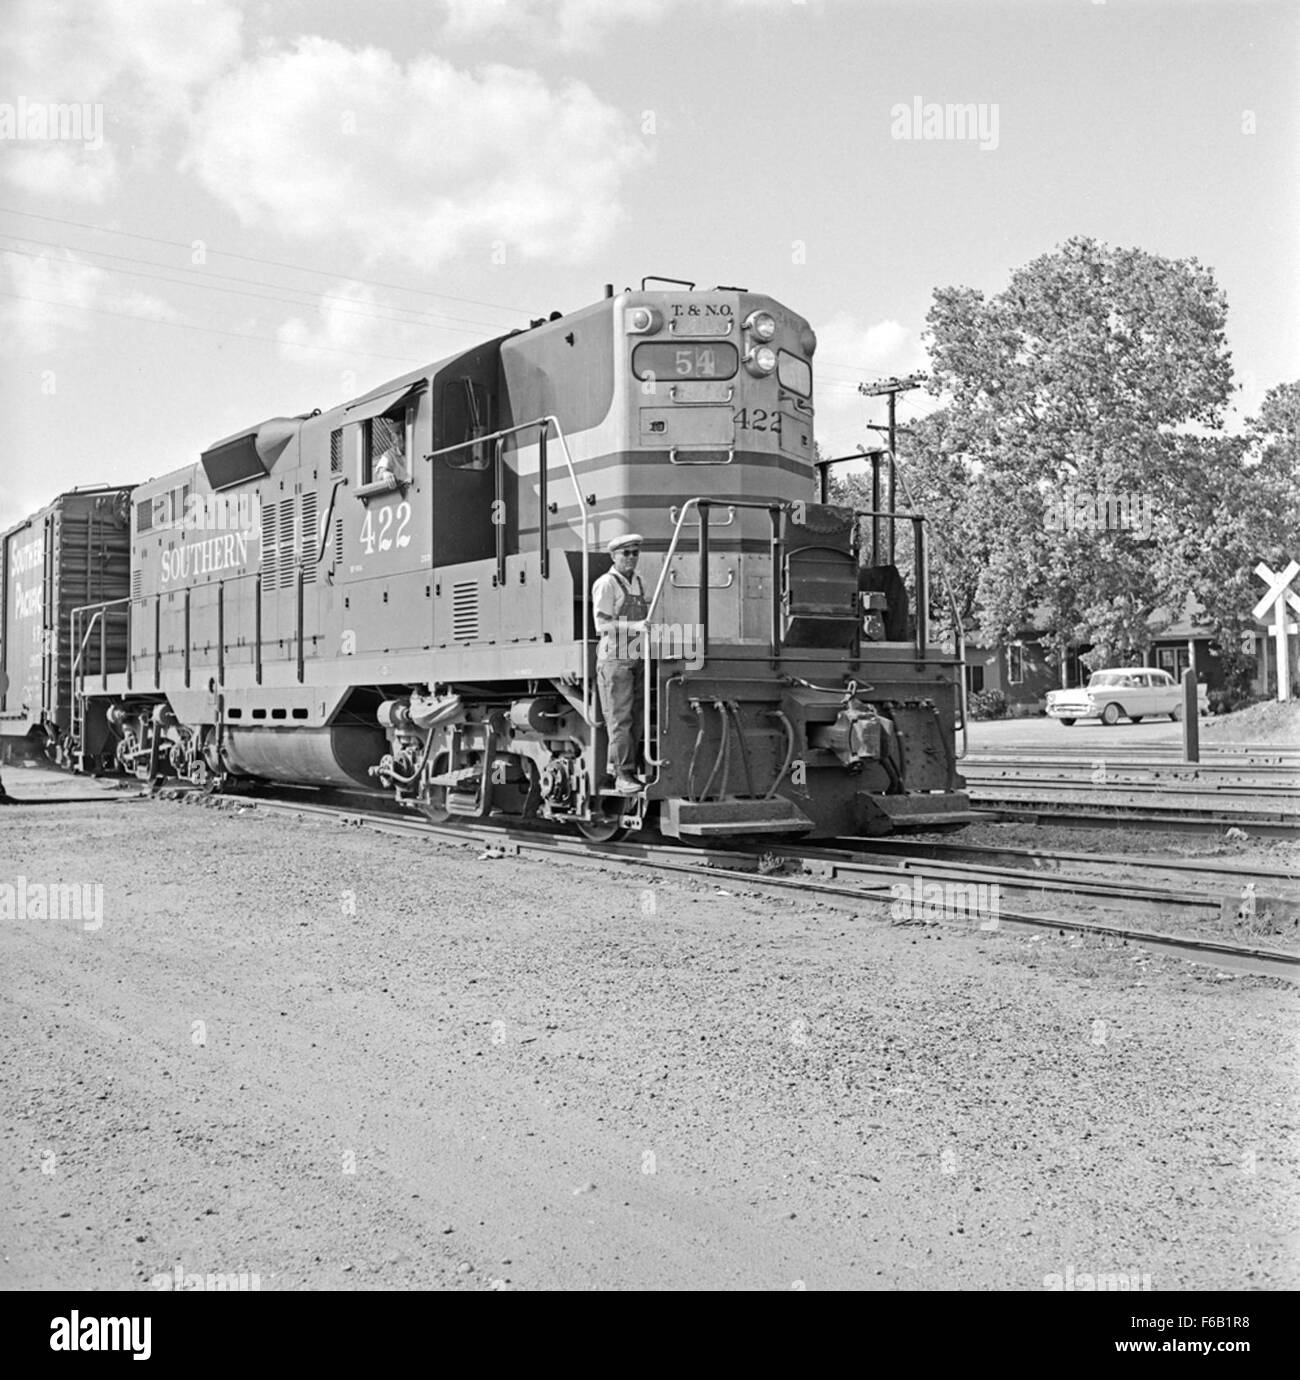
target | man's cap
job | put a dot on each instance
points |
(628, 539)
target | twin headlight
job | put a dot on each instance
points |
(760, 358)
(759, 327)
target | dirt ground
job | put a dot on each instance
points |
(330, 1058)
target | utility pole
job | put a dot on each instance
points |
(880, 527)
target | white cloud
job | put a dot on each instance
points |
(418, 162)
(62, 169)
(49, 300)
(141, 61)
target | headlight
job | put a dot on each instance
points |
(643, 320)
(761, 360)
(761, 325)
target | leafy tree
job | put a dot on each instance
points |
(1236, 503)
(1064, 395)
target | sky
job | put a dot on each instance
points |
(254, 209)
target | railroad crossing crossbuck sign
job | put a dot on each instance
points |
(1278, 597)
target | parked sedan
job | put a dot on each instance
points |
(1133, 692)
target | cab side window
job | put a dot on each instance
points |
(466, 415)
(386, 446)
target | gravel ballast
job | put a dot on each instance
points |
(327, 1057)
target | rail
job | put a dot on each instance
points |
(97, 612)
(777, 509)
(959, 631)
(92, 615)
(542, 425)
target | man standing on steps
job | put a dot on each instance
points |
(618, 599)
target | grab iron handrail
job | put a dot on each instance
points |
(543, 425)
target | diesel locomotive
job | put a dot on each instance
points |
(396, 593)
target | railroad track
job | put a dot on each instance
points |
(1199, 776)
(917, 890)
(1282, 881)
(1259, 754)
(1261, 794)
(897, 873)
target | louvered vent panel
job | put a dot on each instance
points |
(269, 562)
(286, 544)
(336, 451)
(310, 538)
(338, 541)
(137, 584)
(464, 611)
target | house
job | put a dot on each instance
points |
(1022, 669)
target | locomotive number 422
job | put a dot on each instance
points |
(381, 533)
(758, 419)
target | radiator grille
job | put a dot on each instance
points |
(336, 451)
(286, 545)
(464, 611)
(310, 538)
(144, 515)
(269, 563)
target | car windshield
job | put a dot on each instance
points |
(1107, 678)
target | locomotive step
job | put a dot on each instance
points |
(704, 817)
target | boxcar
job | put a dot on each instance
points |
(74, 551)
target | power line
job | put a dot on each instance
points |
(426, 319)
(459, 325)
(208, 330)
(297, 268)
(267, 263)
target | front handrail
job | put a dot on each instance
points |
(74, 621)
(959, 630)
(543, 424)
(776, 509)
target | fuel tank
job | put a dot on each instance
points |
(338, 755)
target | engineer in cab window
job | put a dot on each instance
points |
(618, 600)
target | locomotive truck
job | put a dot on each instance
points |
(395, 593)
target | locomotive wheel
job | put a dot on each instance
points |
(603, 830)
(1110, 715)
(607, 829)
